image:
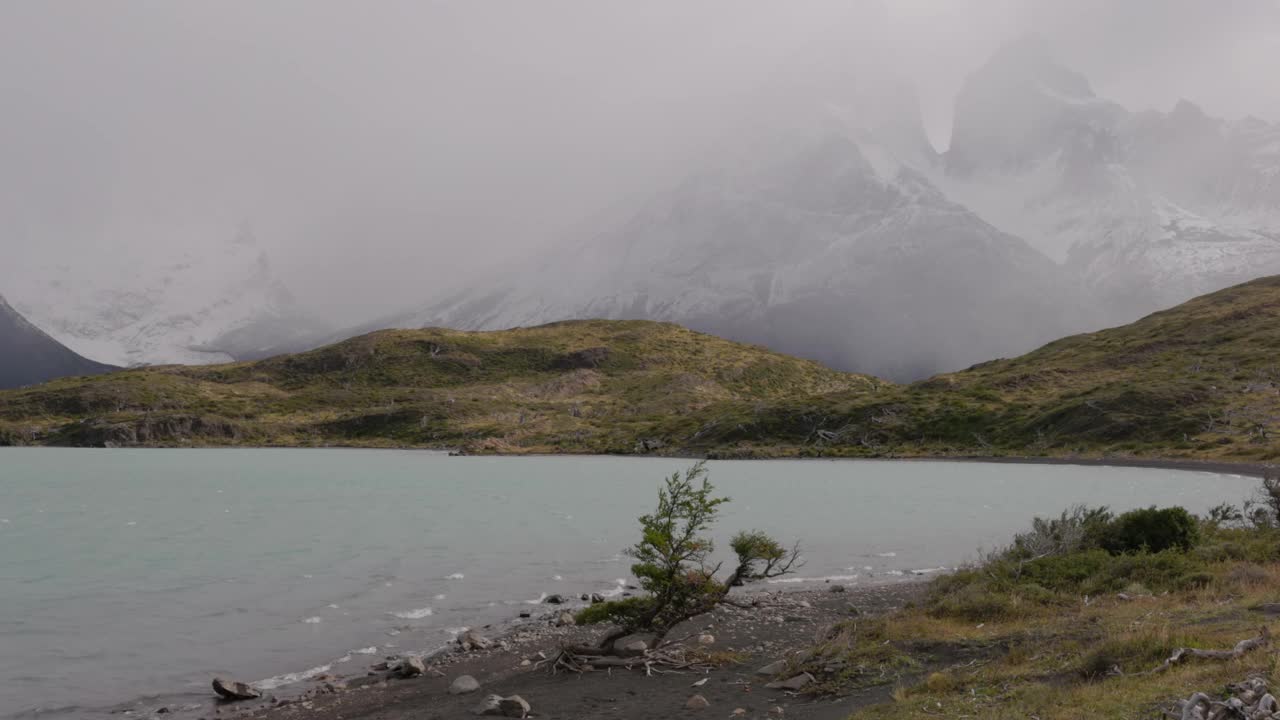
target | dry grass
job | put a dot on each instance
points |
(1058, 663)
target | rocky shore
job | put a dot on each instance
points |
(748, 643)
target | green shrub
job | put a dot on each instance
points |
(1195, 580)
(625, 612)
(1220, 552)
(973, 602)
(1151, 530)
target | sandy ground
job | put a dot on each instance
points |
(779, 624)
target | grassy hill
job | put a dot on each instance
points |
(581, 386)
(1197, 381)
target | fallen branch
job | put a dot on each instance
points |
(659, 661)
(1242, 647)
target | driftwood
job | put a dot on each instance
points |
(1250, 701)
(1242, 647)
(660, 661)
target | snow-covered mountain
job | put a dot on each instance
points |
(829, 244)
(30, 356)
(853, 242)
(192, 306)
(1146, 209)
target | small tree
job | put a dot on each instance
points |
(671, 555)
(671, 562)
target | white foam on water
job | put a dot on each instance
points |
(893, 572)
(557, 578)
(541, 597)
(887, 554)
(417, 614)
(926, 571)
(455, 631)
(393, 632)
(272, 683)
(439, 596)
(344, 658)
(456, 576)
(332, 606)
(823, 579)
(619, 586)
(313, 620)
(131, 523)
(4, 521)
(371, 650)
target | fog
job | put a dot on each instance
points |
(382, 151)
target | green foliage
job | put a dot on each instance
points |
(671, 557)
(1151, 530)
(759, 557)
(627, 612)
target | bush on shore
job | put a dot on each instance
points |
(1087, 552)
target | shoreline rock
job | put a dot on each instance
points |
(235, 690)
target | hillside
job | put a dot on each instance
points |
(30, 356)
(581, 386)
(1197, 381)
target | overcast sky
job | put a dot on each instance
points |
(381, 148)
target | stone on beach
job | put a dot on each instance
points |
(496, 705)
(235, 690)
(472, 640)
(634, 645)
(773, 668)
(554, 600)
(796, 683)
(412, 666)
(514, 707)
(565, 619)
(837, 588)
(463, 685)
(706, 639)
(697, 702)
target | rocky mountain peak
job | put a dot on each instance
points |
(1020, 109)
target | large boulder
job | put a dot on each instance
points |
(235, 690)
(634, 645)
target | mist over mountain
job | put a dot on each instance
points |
(832, 245)
(1054, 211)
(886, 187)
(1145, 209)
(206, 303)
(30, 356)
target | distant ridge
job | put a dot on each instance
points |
(29, 356)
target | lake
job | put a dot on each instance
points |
(129, 578)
